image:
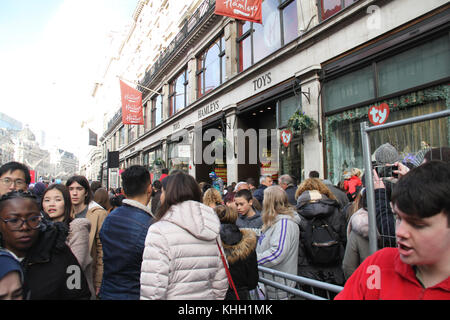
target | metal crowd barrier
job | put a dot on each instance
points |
(327, 288)
(365, 130)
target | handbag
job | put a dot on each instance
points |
(230, 280)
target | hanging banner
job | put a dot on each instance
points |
(248, 10)
(131, 105)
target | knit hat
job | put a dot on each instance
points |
(386, 153)
(9, 264)
(39, 189)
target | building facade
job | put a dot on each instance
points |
(219, 96)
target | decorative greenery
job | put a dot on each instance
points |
(221, 142)
(300, 122)
(158, 162)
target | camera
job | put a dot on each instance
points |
(386, 171)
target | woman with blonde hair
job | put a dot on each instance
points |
(278, 244)
(212, 198)
(322, 233)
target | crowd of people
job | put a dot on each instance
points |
(176, 238)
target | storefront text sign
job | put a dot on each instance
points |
(379, 114)
(249, 10)
(286, 137)
(208, 109)
(262, 81)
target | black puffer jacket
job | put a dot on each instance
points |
(51, 270)
(239, 247)
(313, 204)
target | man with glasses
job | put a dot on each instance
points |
(14, 176)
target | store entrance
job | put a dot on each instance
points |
(261, 117)
(220, 164)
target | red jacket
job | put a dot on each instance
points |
(383, 276)
(351, 184)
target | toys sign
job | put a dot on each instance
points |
(379, 114)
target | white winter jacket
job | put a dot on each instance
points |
(181, 260)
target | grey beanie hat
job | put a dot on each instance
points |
(386, 153)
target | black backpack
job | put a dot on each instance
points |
(321, 242)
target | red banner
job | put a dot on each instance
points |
(249, 10)
(131, 105)
(33, 176)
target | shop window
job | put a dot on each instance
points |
(291, 158)
(155, 163)
(344, 147)
(329, 8)
(121, 136)
(146, 111)
(412, 68)
(157, 110)
(211, 67)
(132, 134)
(287, 109)
(256, 41)
(349, 89)
(178, 95)
(179, 155)
(409, 69)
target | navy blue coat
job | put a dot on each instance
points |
(123, 240)
(259, 193)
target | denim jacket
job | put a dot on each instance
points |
(123, 239)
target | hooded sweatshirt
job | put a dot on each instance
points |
(181, 259)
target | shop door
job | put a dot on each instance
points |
(262, 117)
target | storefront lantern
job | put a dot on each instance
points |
(286, 137)
(379, 114)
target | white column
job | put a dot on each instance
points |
(232, 162)
(312, 147)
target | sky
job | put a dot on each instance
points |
(51, 54)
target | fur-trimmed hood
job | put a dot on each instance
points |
(359, 223)
(237, 244)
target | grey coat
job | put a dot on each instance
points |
(357, 248)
